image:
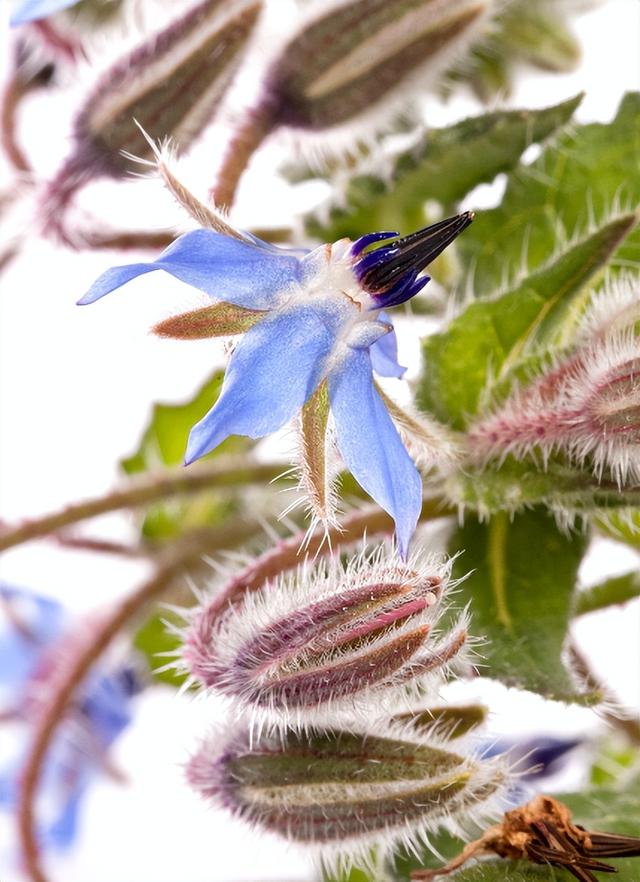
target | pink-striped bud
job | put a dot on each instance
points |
(587, 407)
(311, 646)
(344, 790)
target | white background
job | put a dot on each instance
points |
(75, 389)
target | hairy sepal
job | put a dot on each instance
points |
(326, 641)
(342, 791)
(218, 320)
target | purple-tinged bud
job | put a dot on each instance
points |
(358, 53)
(170, 85)
(313, 646)
(587, 407)
(390, 272)
(343, 790)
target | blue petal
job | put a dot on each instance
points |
(43, 617)
(275, 369)
(106, 705)
(384, 353)
(227, 269)
(372, 447)
(31, 10)
(64, 830)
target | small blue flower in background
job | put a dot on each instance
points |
(318, 316)
(24, 11)
(34, 641)
(538, 759)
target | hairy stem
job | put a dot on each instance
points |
(142, 491)
(182, 555)
(251, 132)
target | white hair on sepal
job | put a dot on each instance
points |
(222, 657)
(215, 771)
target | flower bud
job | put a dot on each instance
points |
(343, 789)
(354, 55)
(314, 646)
(170, 85)
(587, 407)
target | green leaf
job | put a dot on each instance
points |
(163, 443)
(610, 592)
(491, 338)
(154, 638)
(583, 174)
(444, 166)
(521, 604)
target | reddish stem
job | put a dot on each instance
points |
(251, 132)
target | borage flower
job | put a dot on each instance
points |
(315, 331)
(24, 11)
(35, 649)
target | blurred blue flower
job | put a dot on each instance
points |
(35, 643)
(24, 11)
(322, 319)
(536, 759)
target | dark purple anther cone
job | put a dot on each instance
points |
(390, 273)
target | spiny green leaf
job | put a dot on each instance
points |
(445, 165)
(610, 592)
(521, 604)
(490, 338)
(583, 174)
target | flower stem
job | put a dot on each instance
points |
(172, 563)
(249, 135)
(143, 491)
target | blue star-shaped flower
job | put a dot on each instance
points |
(33, 645)
(315, 317)
(24, 11)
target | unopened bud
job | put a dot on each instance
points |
(343, 789)
(587, 407)
(312, 646)
(354, 55)
(169, 85)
